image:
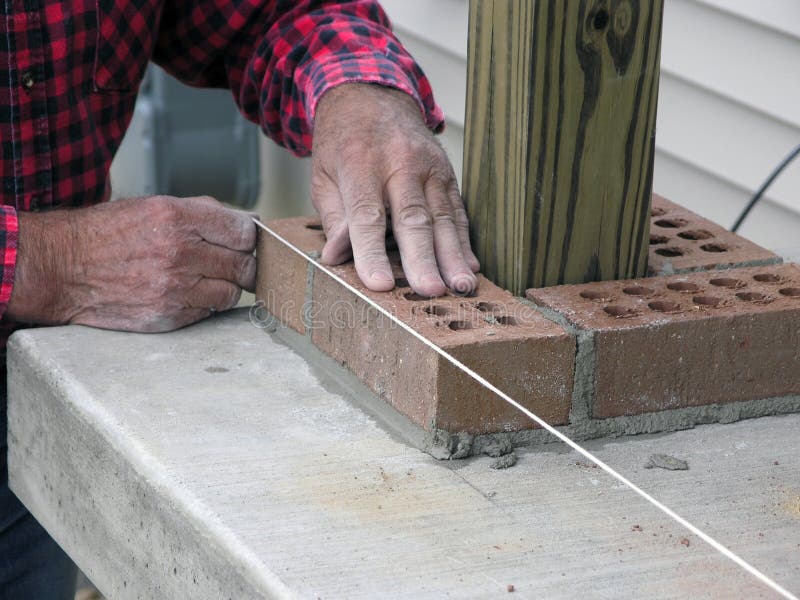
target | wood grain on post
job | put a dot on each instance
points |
(560, 125)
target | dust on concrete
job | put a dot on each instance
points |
(504, 462)
(793, 506)
(665, 461)
(445, 446)
(497, 447)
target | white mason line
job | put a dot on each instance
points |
(574, 445)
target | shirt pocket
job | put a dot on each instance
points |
(126, 35)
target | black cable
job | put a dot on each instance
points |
(764, 186)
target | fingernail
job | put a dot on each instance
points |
(382, 277)
(464, 283)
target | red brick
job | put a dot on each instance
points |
(688, 340)
(503, 339)
(282, 274)
(682, 241)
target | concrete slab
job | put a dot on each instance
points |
(216, 462)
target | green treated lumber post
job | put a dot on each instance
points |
(560, 127)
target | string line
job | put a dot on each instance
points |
(549, 428)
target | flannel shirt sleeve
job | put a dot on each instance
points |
(280, 56)
(9, 229)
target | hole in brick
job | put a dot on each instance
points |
(638, 290)
(415, 297)
(437, 310)
(727, 282)
(753, 297)
(710, 301)
(672, 223)
(657, 212)
(658, 239)
(620, 312)
(664, 306)
(695, 234)
(714, 247)
(670, 251)
(314, 227)
(460, 325)
(768, 278)
(487, 307)
(792, 292)
(684, 287)
(506, 320)
(595, 295)
(401, 282)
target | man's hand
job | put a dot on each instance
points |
(150, 264)
(373, 154)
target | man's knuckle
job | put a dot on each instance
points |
(441, 216)
(414, 215)
(460, 215)
(165, 212)
(367, 212)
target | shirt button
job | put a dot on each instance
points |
(27, 80)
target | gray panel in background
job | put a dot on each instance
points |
(186, 141)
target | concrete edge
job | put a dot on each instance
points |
(22, 354)
(343, 382)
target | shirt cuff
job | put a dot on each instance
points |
(376, 68)
(9, 230)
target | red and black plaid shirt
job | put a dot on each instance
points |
(73, 67)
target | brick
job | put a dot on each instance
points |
(687, 340)
(503, 339)
(282, 275)
(682, 241)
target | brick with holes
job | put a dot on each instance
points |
(682, 241)
(687, 340)
(503, 339)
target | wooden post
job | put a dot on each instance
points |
(560, 124)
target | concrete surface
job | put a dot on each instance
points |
(216, 462)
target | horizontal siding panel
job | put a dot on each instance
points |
(726, 139)
(780, 15)
(442, 23)
(734, 57)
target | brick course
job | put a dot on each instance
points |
(682, 241)
(503, 339)
(687, 340)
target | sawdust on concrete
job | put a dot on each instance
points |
(665, 461)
